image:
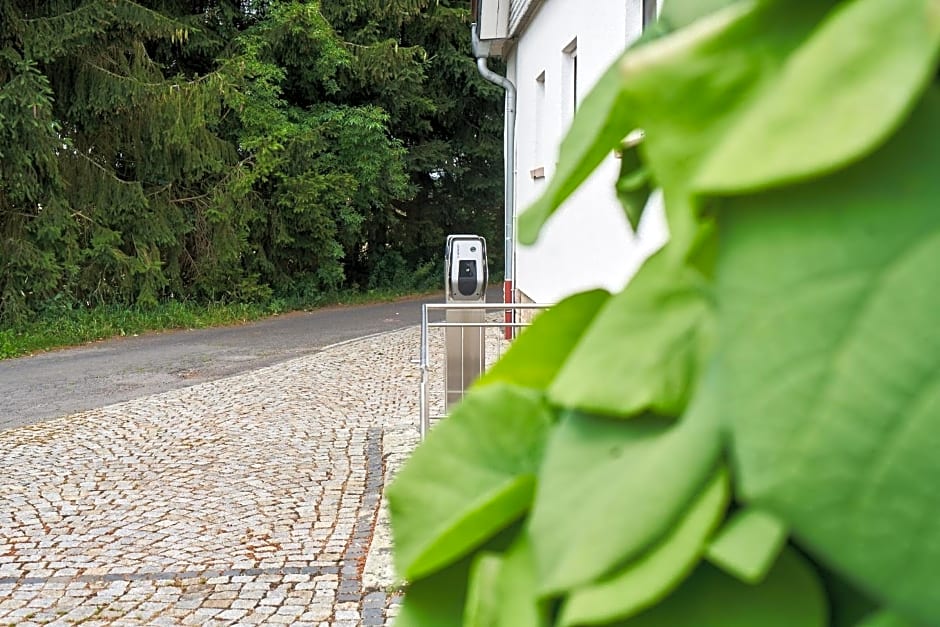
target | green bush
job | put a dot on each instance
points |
(392, 271)
(747, 434)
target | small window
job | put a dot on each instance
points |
(540, 119)
(569, 94)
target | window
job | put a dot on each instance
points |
(569, 95)
(540, 120)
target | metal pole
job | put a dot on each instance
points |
(486, 306)
(475, 325)
(423, 358)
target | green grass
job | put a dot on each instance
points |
(70, 327)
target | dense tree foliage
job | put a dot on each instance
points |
(231, 150)
(746, 434)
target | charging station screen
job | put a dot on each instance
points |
(467, 277)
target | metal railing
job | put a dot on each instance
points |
(494, 340)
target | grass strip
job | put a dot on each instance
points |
(73, 326)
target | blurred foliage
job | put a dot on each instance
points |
(746, 434)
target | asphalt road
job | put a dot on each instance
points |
(71, 380)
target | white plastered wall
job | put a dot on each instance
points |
(588, 242)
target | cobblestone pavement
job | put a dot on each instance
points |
(245, 500)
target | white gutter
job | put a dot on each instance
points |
(509, 160)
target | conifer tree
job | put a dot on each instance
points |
(114, 154)
(227, 150)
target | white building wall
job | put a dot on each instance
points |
(588, 243)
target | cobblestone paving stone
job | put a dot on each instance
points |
(255, 499)
(248, 500)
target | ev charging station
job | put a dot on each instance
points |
(466, 276)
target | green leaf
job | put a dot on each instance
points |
(687, 89)
(436, 601)
(610, 489)
(672, 88)
(748, 544)
(656, 573)
(886, 618)
(643, 350)
(633, 185)
(440, 600)
(666, 86)
(482, 596)
(847, 604)
(602, 122)
(534, 358)
(474, 475)
(879, 81)
(830, 359)
(519, 605)
(791, 596)
(680, 13)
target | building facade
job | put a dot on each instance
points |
(555, 50)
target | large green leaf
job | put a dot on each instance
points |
(610, 489)
(602, 123)
(680, 13)
(603, 120)
(886, 618)
(474, 475)
(791, 596)
(643, 350)
(748, 544)
(658, 571)
(441, 599)
(519, 604)
(880, 55)
(847, 604)
(498, 591)
(437, 601)
(830, 369)
(536, 355)
(668, 88)
(689, 88)
(482, 596)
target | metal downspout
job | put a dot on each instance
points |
(509, 159)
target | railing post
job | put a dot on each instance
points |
(509, 314)
(423, 359)
(461, 325)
